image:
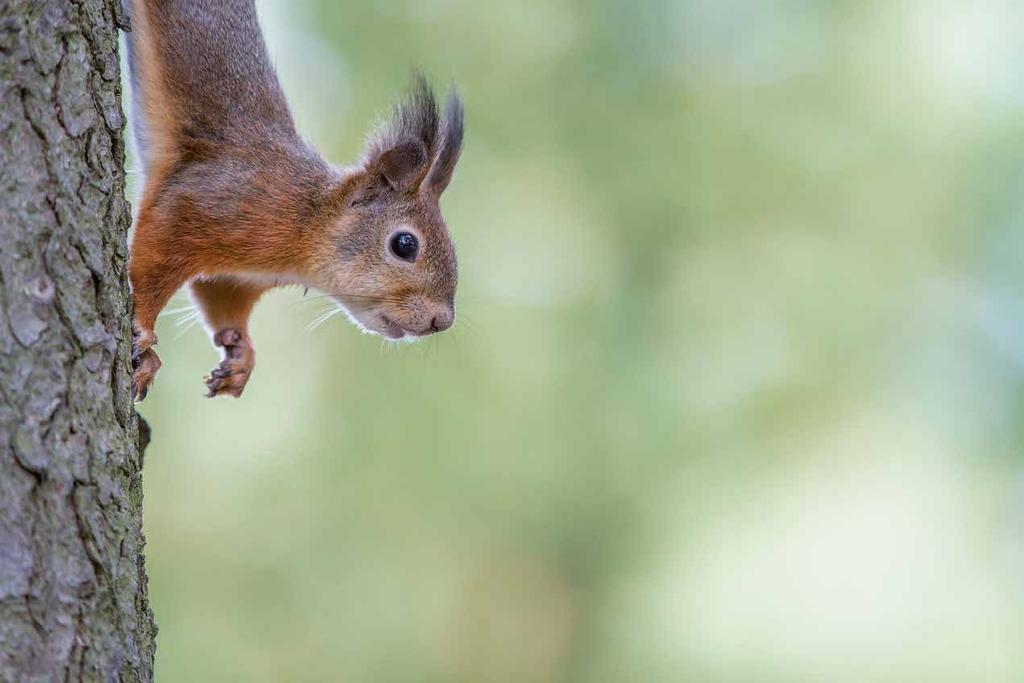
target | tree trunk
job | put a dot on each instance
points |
(73, 602)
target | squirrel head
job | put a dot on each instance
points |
(391, 262)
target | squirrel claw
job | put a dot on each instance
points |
(231, 376)
(141, 343)
(144, 368)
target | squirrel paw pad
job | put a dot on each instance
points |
(231, 376)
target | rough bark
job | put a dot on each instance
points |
(73, 602)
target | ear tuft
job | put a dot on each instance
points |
(402, 145)
(414, 150)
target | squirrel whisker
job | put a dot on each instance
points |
(323, 317)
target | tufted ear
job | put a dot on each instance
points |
(399, 151)
(414, 150)
(403, 165)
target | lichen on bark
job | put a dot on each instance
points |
(73, 602)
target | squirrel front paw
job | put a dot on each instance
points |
(233, 372)
(145, 364)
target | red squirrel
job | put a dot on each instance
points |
(235, 202)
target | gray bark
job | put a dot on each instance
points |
(73, 602)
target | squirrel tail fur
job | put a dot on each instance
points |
(137, 80)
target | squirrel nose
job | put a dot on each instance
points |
(442, 320)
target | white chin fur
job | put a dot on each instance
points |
(365, 328)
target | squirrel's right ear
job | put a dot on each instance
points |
(449, 147)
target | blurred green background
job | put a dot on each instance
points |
(735, 393)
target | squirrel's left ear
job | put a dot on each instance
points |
(403, 165)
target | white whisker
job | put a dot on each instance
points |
(323, 318)
(187, 316)
(175, 311)
(186, 322)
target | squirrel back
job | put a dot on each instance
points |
(200, 75)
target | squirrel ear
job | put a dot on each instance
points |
(403, 165)
(450, 147)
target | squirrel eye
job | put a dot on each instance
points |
(404, 245)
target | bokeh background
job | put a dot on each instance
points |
(736, 390)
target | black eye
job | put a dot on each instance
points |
(404, 245)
